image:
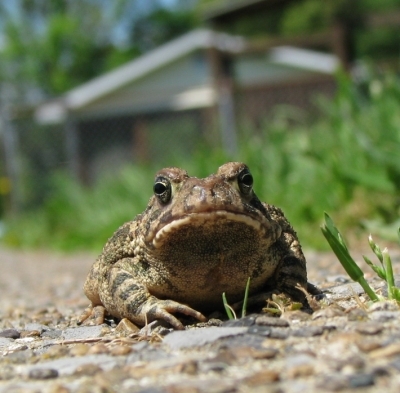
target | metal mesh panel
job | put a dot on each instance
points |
(89, 148)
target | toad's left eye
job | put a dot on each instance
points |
(162, 189)
(245, 181)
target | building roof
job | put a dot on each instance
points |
(55, 110)
(228, 9)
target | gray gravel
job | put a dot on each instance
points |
(343, 346)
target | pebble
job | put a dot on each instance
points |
(386, 352)
(5, 343)
(249, 320)
(6, 372)
(369, 328)
(126, 327)
(331, 383)
(55, 351)
(10, 333)
(308, 331)
(262, 378)
(271, 321)
(98, 349)
(328, 312)
(52, 333)
(344, 291)
(84, 332)
(357, 314)
(89, 369)
(36, 326)
(120, 350)
(361, 380)
(384, 316)
(200, 337)
(79, 349)
(43, 373)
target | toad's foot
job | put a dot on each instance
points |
(154, 308)
(93, 315)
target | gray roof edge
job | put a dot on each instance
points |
(179, 47)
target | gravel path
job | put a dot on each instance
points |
(341, 347)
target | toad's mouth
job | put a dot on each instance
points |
(216, 222)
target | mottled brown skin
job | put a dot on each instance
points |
(196, 239)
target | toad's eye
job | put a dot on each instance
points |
(162, 189)
(245, 181)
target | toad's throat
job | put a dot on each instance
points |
(211, 222)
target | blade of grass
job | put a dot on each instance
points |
(375, 248)
(227, 307)
(387, 262)
(246, 296)
(339, 247)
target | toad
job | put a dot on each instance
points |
(196, 239)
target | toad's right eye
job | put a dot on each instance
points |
(162, 189)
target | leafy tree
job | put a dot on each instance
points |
(51, 46)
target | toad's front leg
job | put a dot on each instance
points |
(124, 297)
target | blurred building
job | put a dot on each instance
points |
(200, 88)
(195, 88)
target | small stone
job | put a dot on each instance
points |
(300, 371)
(190, 367)
(384, 316)
(250, 320)
(52, 333)
(385, 305)
(58, 389)
(339, 278)
(120, 350)
(6, 372)
(328, 312)
(344, 291)
(369, 328)
(331, 383)
(200, 337)
(253, 353)
(36, 326)
(297, 316)
(216, 366)
(357, 314)
(262, 378)
(79, 349)
(10, 333)
(43, 373)
(126, 327)
(56, 351)
(383, 353)
(271, 321)
(366, 344)
(98, 348)
(30, 333)
(88, 369)
(308, 331)
(20, 356)
(85, 332)
(280, 333)
(5, 343)
(260, 330)
(17, 347)
(361, 380)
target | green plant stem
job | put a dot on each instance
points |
(387, 262)
(246, 296)
(227, 307)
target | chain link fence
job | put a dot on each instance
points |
(89, 148)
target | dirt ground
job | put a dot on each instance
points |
(35, 279)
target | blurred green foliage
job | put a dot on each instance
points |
(345, 162)
(51, 46)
